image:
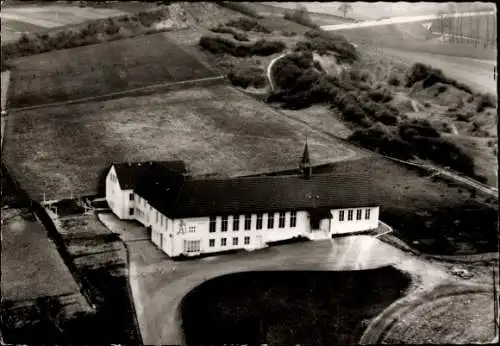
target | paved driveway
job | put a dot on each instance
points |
(159, 284)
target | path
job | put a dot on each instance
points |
(159, 284)
(269, 70)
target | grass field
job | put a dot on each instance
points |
(31, 265)
(216, 129)
(320, 308)
(101, 68)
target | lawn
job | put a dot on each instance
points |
(65, 150)
(102, 68)
(320, 308)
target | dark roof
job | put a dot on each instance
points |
(128, 173)
(176, 196)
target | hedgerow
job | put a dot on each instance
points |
(221, 45)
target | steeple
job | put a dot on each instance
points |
(305, 167)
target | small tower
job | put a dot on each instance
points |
(305, 167)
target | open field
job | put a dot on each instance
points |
(31, 265)
(216, 129)
(289, 307)
(102, 68)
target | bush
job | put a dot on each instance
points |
(301, 16)
(324, 42)
(239, 7)
(442, 88)
(247, 24)
(486, 100)
(220, 45)
(244, 78)
(408, 131)
(387, 118)
(394, 81)
(380, 96)
(464, 117)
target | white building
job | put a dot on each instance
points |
(188, 216)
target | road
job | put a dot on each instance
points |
(401, 20)
(159, 284)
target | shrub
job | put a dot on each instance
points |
(324, 42)
(485, 100)
(244, 78)
(394, 81)
(220, 45)
(301, 16)
(427, 105)
(442, 88)
(409, 131)
(380, 96)
(386, 118)
(239, 7)
(247, 24)
(464, 117)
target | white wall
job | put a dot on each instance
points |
(340, 227)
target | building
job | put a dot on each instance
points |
(189, 216)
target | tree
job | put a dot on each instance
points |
(344, 8)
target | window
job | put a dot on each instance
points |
(161, 220)
(223, 242)
(211, 242)
(157, 216)
(235, 241)
(282, 220)
(131, 211)
(139, 199)
(367, 214)
(293, 219)
(259, 221)
(350, 214)
(236, 222)
(192, 246)
(341, 215)
(248, 222)
(270, 220)
(224, 224)
(213, 221)
(247, 240)
(359, 213)
(192, 229)
(131, 197)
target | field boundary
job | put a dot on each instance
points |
(140, 91)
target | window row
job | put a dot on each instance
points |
(350, 214)
(223, 241)
(247, 221)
